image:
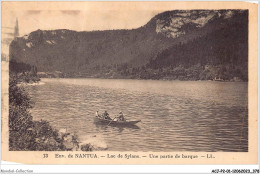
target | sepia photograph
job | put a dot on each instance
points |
(126, 78)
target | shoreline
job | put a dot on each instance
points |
(169, 80)
(36, 135)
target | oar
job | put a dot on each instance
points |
(111, 121)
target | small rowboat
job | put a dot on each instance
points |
(115, 122)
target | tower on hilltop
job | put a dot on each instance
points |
(16, 29)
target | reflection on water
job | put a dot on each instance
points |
(176, 115)
(118, 128)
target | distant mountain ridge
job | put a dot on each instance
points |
(73, 52)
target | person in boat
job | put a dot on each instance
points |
(121, 116)
(106, 115)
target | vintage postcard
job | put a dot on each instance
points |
(129, 82)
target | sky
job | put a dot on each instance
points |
(79, 20)
(84, 18)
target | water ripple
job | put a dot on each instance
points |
(176, 116)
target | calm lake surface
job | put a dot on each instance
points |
(176, 115)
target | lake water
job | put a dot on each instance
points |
(176, 115)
